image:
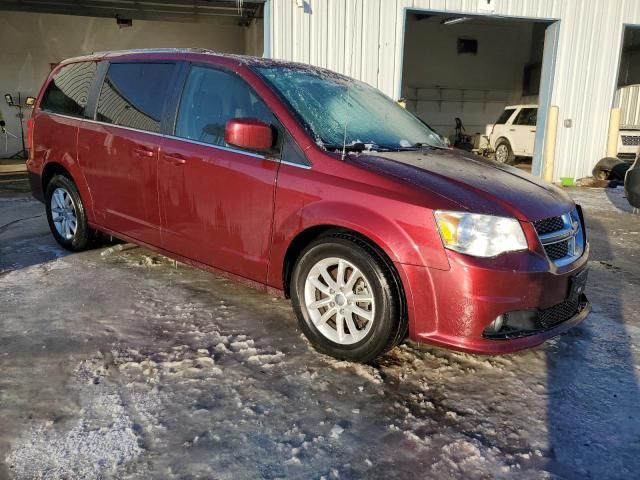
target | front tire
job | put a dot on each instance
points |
(346, 300)
(66, 215)
(504, 152)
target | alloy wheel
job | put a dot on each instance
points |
(502, 153)
(339, 300)
(63, 213)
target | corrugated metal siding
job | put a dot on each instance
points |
(364, 39)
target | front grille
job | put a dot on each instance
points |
(559, 313)
(521, 323)
(562, 237)
(548, 225)
(556, 251)
(630, 140)
(627, 157)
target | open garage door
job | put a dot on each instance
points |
(483, 82)
(627, 95)
(35, 35)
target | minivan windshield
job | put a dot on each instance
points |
(338, 110)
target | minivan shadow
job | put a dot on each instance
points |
(25, 239)
(593, 394)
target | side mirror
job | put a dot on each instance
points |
(249, 134)
(30, 101)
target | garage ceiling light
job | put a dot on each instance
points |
(454, 20)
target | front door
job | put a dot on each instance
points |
(524, 131)
(118, 151)
(217, 201)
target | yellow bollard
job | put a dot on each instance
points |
(549, 152)
(614, 131)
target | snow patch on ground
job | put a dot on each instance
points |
(96, 444)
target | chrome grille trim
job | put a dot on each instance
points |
(571, 232)
(630, 139)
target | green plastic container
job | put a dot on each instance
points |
(567, 181)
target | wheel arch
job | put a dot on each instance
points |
(311, 234)
(50, 170)
(503, 138)
(307, 236)
(72, 170)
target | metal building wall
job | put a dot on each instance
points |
(364, 39)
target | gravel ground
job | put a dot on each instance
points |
(119, 363)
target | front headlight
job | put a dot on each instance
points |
(480, 235)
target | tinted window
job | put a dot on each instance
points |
(502, 119)
(68, 90)
(291, 153)
(210, 99)
(527, 116)
(133, 94)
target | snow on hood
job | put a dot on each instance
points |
(474, 183)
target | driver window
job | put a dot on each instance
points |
(210, 99)
(527, 116)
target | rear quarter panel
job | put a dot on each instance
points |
(55, 142)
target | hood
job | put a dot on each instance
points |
(474, 183)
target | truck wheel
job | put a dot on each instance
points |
(66, 215)
(504, 152)
(346, 299)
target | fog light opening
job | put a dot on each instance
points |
(496, 325)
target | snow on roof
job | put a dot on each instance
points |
(530, 105)
(244, 59)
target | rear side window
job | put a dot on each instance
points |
(133, 95)
(527, 116)
(210, 99)
(502, 119)
(68, 91)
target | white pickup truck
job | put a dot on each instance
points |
(513, 135)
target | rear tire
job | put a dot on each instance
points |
(504, 152)
(66, 215)
(346, 299)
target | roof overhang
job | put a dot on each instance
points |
(162, 10)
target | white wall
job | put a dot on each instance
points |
(475, 88)
(330, 32)
(254, 38)
(29, 42)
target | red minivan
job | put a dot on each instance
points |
(304, 182)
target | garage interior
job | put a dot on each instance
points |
(470, 67)
(37, 34)
(627, 94)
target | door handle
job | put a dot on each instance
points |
(175, 158)
(533, 130)
(143, 152)
(512, 129)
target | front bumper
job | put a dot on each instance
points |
(454, 308)
(627, 153)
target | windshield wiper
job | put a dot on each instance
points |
(354, 147)
(425, 145)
